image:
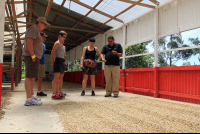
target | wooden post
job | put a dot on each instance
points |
(13, 63)
(2, 22)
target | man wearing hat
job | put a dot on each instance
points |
(33, 51)
(42, 67)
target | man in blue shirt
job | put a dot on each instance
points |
(42, 67)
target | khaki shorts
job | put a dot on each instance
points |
(42, 71)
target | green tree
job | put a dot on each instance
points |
(174, 42)
(74, 65)
(138, 62)
(186, 64)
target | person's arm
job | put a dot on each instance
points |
(30, 48)
(65, 52)
(99, 54)
(103, 58)
(55, 47)
(103, 52)
(83, 58)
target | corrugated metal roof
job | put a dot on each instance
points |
(94, 19)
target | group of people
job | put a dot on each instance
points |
(34, 58)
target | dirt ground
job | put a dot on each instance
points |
(129, 115)
(5, 101)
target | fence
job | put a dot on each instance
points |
(174, 83)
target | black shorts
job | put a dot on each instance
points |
(59, 66)
(32, 68)
(88, 70)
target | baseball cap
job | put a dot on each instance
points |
(43, 34)
(43, 20)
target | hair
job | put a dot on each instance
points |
(92, 40)
(111, 37)
(37, 22)
(62, 33)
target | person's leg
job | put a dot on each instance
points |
(116, 77)
(61, 82)
(93, 84)
(55, 82)
(58, 84)
(40, 84)
(33, 84)
(108, 77)
(29, 87)
(84, 83)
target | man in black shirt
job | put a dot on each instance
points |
(112, 53)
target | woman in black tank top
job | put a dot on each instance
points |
(90, 54)
(88, 66)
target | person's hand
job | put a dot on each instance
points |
(34, 59)
(81, 67)
(52, 64)
(103, 60)
(114, 52)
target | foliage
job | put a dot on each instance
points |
(139, 62)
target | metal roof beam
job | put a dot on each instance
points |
(48, 8)
(68, 17)
(98, 11)
(138, 3)
(115, 17)
(54, 20)
(155, 2)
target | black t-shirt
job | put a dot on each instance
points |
(110, 58)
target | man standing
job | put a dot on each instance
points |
(33, 50)
(42, 67)
(112, 53)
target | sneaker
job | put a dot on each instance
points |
(32, 103)
(36, 99)
(83, 93)
(60, 94)
(107, 95)
(56, 97)
(63, 94)
(116, 96)
(93, 93)
(41, 94)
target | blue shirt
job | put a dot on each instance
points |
(42, 61)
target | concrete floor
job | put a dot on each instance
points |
(43, 119)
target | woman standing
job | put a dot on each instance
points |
(57, 57)
(88, 65)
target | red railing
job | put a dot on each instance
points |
(174, 83)
(78, 77)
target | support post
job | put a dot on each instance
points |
(13, 63)
(2, 22)
(156, 94)
(156, 38)
(104, 43)
(124, 48)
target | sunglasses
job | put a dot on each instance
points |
(64, 37)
